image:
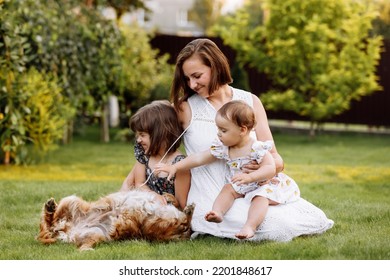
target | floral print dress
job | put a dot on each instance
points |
(281, 189)
(158, 184)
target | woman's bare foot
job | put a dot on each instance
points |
(213, 217)
(245, 232)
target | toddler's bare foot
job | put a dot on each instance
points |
(245, 232)
(213, 217)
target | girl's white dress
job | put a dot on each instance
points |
(281, 188)
(282, 222)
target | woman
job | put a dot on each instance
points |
(200, 88)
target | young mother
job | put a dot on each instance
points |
(200, 87)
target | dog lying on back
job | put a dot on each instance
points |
(118, 216)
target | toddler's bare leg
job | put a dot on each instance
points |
(256, 215)
(222, 204)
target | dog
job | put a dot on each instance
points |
(119, 216)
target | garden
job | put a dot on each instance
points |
(61, 62)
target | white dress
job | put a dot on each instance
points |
(282, 222)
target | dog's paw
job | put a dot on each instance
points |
(50, 206)
(189, 209)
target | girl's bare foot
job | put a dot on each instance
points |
(213, 217)
(245, 232)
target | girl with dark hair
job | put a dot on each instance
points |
(157, 132)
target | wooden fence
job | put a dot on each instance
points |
(372, 110)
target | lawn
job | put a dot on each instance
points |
(346, 175)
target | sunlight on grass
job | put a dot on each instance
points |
(74, 172)
(312, 174)
(303, 174)
(365, 173)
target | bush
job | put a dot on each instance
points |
(36, 112)
(318, 53)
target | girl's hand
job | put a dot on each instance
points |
(241, 178)
(163, 167)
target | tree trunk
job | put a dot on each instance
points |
(89, 3)
(7, 154)
(312, 132)
(7, 158)
(104, 126)
(68, 133)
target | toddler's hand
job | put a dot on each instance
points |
(250, 167)
(241, 178)
(163, 167)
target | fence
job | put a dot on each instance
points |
(372, 110)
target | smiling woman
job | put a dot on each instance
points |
(201, 86)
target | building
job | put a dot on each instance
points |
(166, 17)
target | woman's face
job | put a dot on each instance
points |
(197, 75)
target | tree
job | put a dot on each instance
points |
(382, 23)
(32, 108)
(13, 57)
(75, 43)
(67, 52)
(140, 69)
(317, 53)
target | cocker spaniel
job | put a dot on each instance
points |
(118, 216)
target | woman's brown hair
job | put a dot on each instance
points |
(212, 57)
(159, 120)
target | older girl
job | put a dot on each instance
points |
(157, 141)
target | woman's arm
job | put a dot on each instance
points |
(183, 178)
(184, 115)
(182, 187)
(263, 132)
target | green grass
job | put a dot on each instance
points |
(347, 176)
